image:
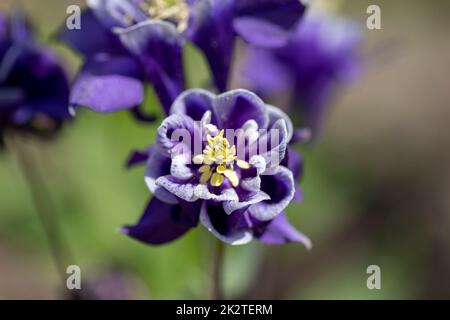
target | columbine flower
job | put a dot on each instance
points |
(321, 54)
(262, 23)
(222, 161)
(33, 86)
(127, 41)
(112, 77)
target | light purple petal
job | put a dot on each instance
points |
(260, 33)
(108, 85)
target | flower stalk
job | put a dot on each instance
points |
(217, 270)
(42, 201)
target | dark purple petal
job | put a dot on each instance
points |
(10, 98)
(194, 103)
(108, 85)
(158, 45)
(140, 114)
(279, 231)
(234, 108)
(281, 188)
(34, 87)
(294, 162)
(3, 27)
(232, 229)
(37, 79)
(158, 165)
(138, 157)
(211, 29)
(159, 224)
(283, 13)
(94, 38)
(273, 144)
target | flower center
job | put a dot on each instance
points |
(218, 159)
(175, 11)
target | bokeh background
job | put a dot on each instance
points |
(376, 185)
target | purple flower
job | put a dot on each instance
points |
(33, 86)
(263, 23)
(221, 161)
(112, 77)
(128, 41)
(321, 54)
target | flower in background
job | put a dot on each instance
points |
(262, 23)
(202, 170)
(34, 90)
(127, 42)
(112, 77)
(321, 54)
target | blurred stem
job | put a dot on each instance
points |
(42, 201)
(217, 270)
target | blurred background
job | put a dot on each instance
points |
(376, 186)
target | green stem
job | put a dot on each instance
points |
(44, 206)
(217, 270)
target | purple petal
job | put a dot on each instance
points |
(108, 84)
(264, 73)
(243, 203)
(158, 46)
(159, 224)
(177, 134)
(138, 157)
(232, 229)
(211, 30)
(234, 108)
(37, 73)
(283, 13)
(117, 13)
(294, 163)
(274, 141)
(93, 38)
(279, 231)
(281, 188)
(158, 165)
(194, 103)
(260, 33)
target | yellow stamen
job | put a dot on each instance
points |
(243, 164)
(205, 177)
(221, 169)
(176, 11)
(222, 156)
(216, 180)
(232, 176)
(198, 159)
(204, 169)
